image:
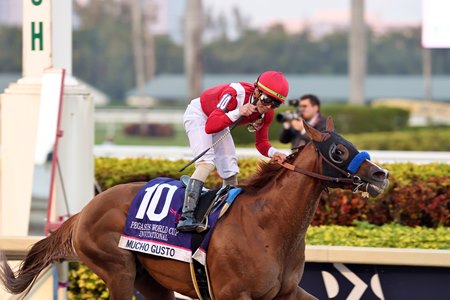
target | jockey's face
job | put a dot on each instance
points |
(265, 103)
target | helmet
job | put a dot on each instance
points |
(274, 84)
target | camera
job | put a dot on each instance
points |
(294, 102)
(290, 115)
(287, 116)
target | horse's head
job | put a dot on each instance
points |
(345, 164)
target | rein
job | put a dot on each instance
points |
(315, 175)
(355, 180)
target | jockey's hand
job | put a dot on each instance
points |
(247, 109)
(279, 157)
(297, 124)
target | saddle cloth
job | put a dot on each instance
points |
(152, 218)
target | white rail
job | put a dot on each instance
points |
(17, 247)
(173, 152)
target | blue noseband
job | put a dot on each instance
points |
(357, 161)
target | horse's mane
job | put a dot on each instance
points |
(267, 171)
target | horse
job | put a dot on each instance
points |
(257, 249)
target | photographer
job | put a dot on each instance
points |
(308, 108)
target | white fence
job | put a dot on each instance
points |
(171, 152)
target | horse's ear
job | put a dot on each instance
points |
(330, 125)
(315, 134)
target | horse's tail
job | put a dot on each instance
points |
(56, 246)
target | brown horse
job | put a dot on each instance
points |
(257, 250)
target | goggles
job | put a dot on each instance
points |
(267, 100)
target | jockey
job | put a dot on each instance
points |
(207, 119)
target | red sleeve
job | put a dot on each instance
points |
(262, 135)
(217, 121)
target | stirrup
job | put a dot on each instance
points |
(199, 228)
(188, 227)
(203, 227)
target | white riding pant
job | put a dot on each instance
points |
(223, 155)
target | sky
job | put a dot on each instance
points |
(261, 12)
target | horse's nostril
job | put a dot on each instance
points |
(381, 174)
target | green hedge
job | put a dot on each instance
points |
(386, 236)
(418, 195)
(347, 119)
(84, 284)
(362, 119)
(424, 139)
(112, 171)
(429, 139)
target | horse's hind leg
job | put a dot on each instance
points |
(117, 269)
(149, 288)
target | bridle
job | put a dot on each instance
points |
(350, 178)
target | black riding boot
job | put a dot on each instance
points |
(188, 222)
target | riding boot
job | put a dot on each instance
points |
(188, 222)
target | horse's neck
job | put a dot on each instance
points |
(297, 196)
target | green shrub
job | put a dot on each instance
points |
(429, 139)
(347, 119)
(418, 195)
(425, 203)
(362, 119)
(386, 236)
(112, 171)
(84, 284)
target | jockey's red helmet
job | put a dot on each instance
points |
(273, 84)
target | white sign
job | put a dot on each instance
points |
(359, 286)
(435, 24)
(37, 52)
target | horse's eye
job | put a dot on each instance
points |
(336, 157)
(338, 153)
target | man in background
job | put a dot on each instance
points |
(309, 110)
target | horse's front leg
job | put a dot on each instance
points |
(297, 294)
(231, 292)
